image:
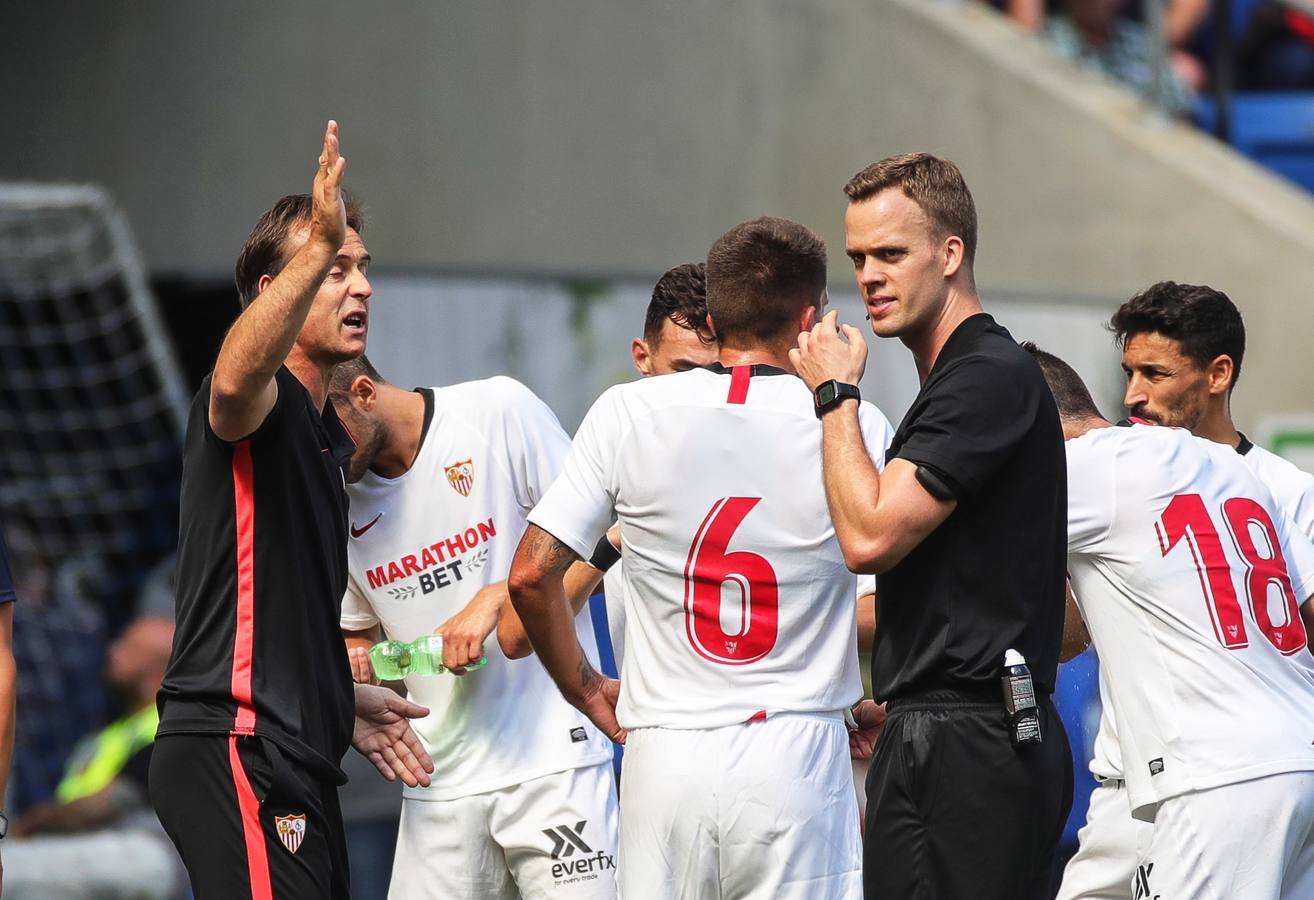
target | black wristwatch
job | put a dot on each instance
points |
(830, 394)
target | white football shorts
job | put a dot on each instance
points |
(764, 809)
(1108, 846)
(553, 836)
(1249, 839)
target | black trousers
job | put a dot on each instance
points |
(954, 811)
(248, 822)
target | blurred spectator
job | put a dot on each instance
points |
(1028, 14)
(1111, 36)
(1093, 33)
(155, 596)
(1276, 50)
(7, 670)
(58, 639)
(100, 838)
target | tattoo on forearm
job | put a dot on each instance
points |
(586, 672)
(550, 553)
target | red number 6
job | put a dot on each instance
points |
(708, 568)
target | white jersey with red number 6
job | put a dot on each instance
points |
(737, 598)
(1190, 577)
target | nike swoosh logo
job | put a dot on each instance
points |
(355, 532)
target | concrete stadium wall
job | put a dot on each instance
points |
(588, 138)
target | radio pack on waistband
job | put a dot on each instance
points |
(1020, 701)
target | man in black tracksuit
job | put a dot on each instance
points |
(257, 706)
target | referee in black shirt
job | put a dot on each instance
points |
(256, 707)
(966, 528)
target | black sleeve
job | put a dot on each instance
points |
(288, 390)
(978, 414)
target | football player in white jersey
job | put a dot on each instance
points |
(1182, 351)
(675, 339)
(740, 645)
(1195, 586)
(523, 799)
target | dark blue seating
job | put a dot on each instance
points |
(1276, 130)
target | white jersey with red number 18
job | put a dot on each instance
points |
(1189, 577)
(1293, 489)
(737, 597)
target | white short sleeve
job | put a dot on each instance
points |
(535, 442)
(1092, 498)
(876, 433)
(357, 614)
(578, 508)
(866, 585)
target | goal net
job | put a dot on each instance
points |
(92, 405)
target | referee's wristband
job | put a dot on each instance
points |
(604, 555)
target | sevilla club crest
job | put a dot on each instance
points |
(291, 830)
(460, 475)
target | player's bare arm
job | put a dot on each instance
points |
(1075, 636)
(879, 516)
(537, 586)
(243, 390)
(866, 623)
(580, 581)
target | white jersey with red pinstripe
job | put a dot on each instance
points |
(737, 598)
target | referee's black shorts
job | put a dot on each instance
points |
(248, 821)
(954, 811)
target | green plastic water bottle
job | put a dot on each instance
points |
(393, 660)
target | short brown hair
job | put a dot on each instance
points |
(347, 371)
(679, 296)
(934, 184)
(262, 254)
(1203, 321)
(1071, 395)
(760, 275)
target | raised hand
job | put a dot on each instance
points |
(328, 221)
(383, 735)
(821, 355)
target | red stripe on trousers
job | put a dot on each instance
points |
(739, 378)
(257, 858)
(244, 642)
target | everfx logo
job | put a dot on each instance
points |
(566, 840)
(1142, 883)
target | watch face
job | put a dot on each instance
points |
(826, 393)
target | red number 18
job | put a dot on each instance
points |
(1187, 517)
